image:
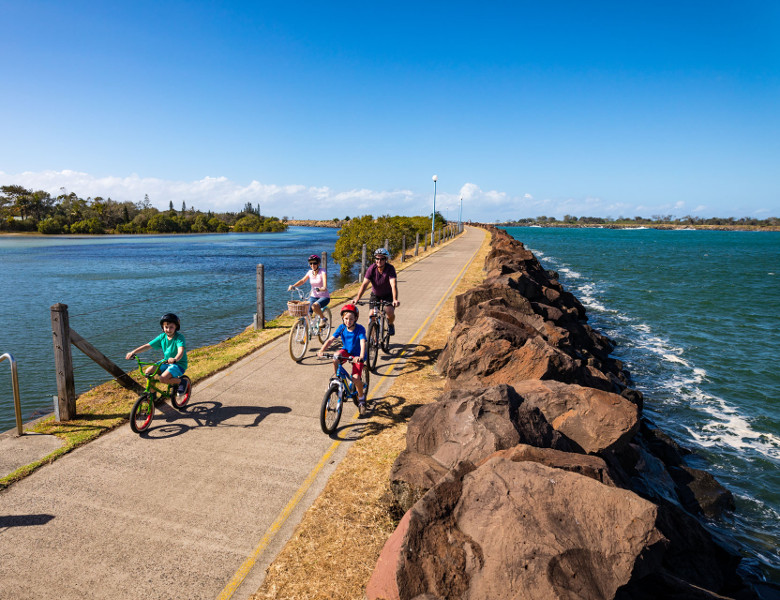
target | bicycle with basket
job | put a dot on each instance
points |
(341, 389)
(307, 326)
(142, 413)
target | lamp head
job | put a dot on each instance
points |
(435, 178)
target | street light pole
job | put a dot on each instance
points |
(433, 215)
(460, 213)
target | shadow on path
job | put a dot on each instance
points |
(8, 521)
(208, 414)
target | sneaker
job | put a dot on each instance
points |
(390, 329)
(182, 388)
(362, 407)
(323, 323)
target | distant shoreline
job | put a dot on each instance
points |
(667, 226)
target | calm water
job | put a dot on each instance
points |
(695, 315)
(117, 287)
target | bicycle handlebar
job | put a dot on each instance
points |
(378, 303)
(142, 363)
(329, 355)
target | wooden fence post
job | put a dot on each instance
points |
(260, 316)
(325, 261)
(417, 243)
(63, 362)
(403, 248)
(363, 264)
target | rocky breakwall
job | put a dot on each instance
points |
(535, 475)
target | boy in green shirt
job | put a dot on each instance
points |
(174, 350)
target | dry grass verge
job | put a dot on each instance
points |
(108, 405)
(334, 549)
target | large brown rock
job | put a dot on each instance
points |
(519, 530)
(582, 464)
(465, 425)
(596, 420)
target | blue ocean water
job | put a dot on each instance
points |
(695, 317)
(117, 287)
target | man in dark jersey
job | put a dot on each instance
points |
(381, 276)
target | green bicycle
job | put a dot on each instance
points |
(142, 413)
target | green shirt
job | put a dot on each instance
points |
(170, 348)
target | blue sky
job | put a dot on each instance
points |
(324, 109)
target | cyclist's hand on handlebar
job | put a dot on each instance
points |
(396, 303)
(289, 288)
(357, 360)
(129, 356)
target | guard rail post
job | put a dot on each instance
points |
(15, 388)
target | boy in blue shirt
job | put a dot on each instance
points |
(353, 343)
(174, 350)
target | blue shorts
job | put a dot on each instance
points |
(323, 302)
(174, 370)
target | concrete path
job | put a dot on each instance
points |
(199, 505)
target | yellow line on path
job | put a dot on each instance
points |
(247, 565)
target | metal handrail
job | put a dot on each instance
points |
(15, 384)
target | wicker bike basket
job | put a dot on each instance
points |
(298, 308)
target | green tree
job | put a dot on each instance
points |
(52, 225)
(161, 223)
(93, 226)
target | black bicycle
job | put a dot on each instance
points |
(378, 331)
(341, 388)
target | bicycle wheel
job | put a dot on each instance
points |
(180, 400)
(330, 411)
(365, 377)
(386, 338)
(299, 339)
(373, 344)
(142, 413)
(324, 332)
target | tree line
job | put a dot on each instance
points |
(687, 220)
(23, 210)
(373, 232)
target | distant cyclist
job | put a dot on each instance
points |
(320, 297)
(384, 286)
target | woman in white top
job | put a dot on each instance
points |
(319, 297)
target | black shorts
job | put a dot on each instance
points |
(373, 301)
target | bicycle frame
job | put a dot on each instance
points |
(151, 382)
(348, 389)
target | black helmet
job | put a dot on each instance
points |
(170, 318)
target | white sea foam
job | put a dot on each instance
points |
(569, 273)
(722, 426)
